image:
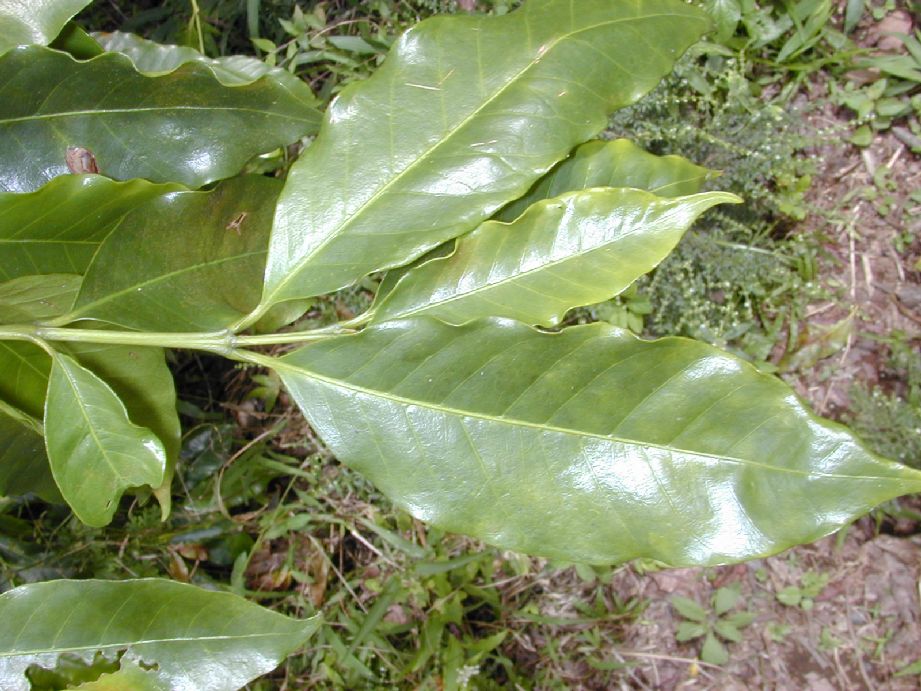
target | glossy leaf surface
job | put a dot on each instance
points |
(184, 127)
(618, 163)
(233, 70)
(144, 384)
(588, 445)
(58, 228)
(576, 249)
(463, 116)
(95, 451)
(187, 637)
(139, 377)
(197, 260)
(23, 464)
(34, 21)
(32, 298)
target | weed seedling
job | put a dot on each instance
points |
(804, 594)
(717, 622)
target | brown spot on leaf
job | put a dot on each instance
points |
(80, 161)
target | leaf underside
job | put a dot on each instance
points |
(186, 637)
(31, 298)
(588, 445)
(432, 145)
(94, 449)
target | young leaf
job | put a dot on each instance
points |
(463, 116)
(139, 377)
(576, 249)
(618, 163)
(728, 631)
(713, 652)
(95, 451)
(171, 128)
(35, 21)
(232, 70)
(144, 383)
(183, 636)
(23, 464)
(30, 298)
(197, 260)
(689, 630)
(688, 608)
(58, 228)
(741, 619)
(724, 600)
(587, 445)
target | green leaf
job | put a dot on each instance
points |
(233, 70)
(790, 596)
(913, 668)
(171, 128)
(58, 228)
(688, 608)
(25, 370)
(143, 382)
(726, 15)
(30, 298)
(741, 619)
(197, 260)
(724, 600)
(463, 116)
(129, 678)
(139, 377)
(34, 21)
(23, 464)
(618, 163)
(587, 445)
(689, 630)
(74, 40)
(576, 249)
(852, 14)
(713, 651)
(95, 451)
(183, 636)
(727, 631)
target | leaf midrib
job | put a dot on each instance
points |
(108, 297)
(151, 109)
(514, 277)
(420, 403)
(425, 155)
(65, 368)
(131, 644)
